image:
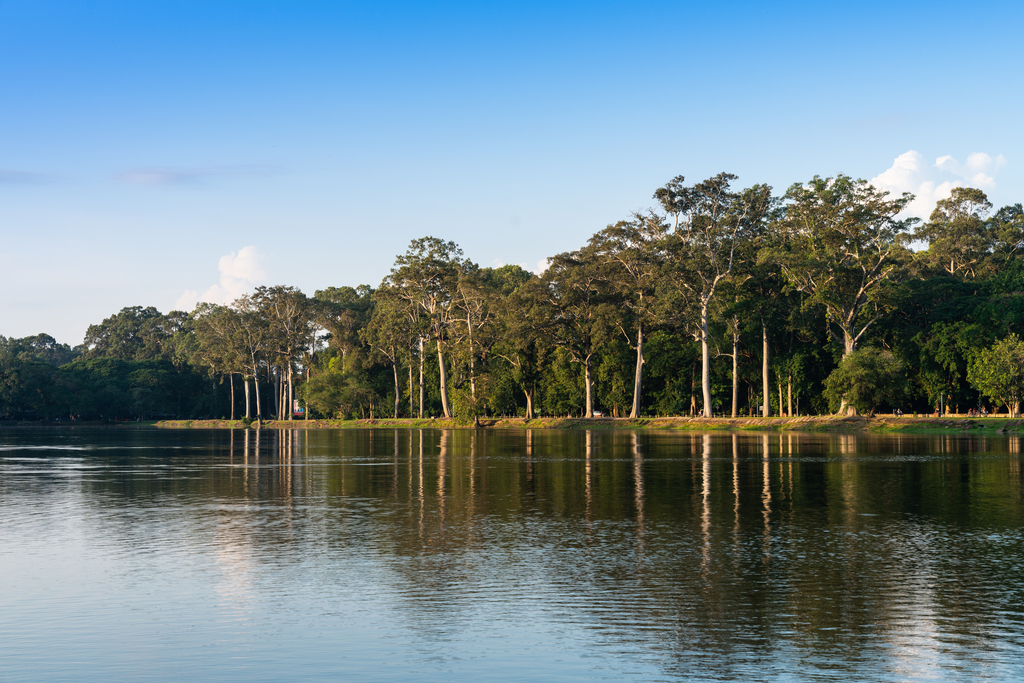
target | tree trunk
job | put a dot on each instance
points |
(849, 342)
(529, 403)
(766, 402)
(277, 394)
(789, 393)
(735, 374)
(291, 392)
(705, 361)
(588, 382)
(443, 372)
(256, 384)
(248, 410)
(397, 395)
(849, 346)
(231, 381)
(780, 395)
(412, 395)
(472, 363)
(638, 378)
(421, 378)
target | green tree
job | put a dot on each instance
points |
(343, 312)
(519, 317)
(842, 243)
(998, 372)
(575, 299)
(958, 236)
(1007, 228)
(711, 223)
(867, 378)
(289, 323)
(134, 333)
(427, 278)
(219, 347)
(389, 333)
(633, 255)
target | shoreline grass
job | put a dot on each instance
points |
(824, 423)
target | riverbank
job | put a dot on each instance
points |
(824, 423)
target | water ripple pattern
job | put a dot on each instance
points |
(430, 555)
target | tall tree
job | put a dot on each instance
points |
(518, 316)
(290, 330)
(576, 296)
(998, 372)
(389, 333)
(842, 240)
(958, 236)
(134, 333)
(711, 224)
(343, 312)
(427, 278)
(1007, 227)
(633, 254)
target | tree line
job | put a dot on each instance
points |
(714, 301)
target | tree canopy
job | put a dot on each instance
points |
(717, 296)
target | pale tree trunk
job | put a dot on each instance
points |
(766, 402)
(735, 374)
(705, 361)
(529, 403)
(789, 393)
(291, 391)
(231, 381)
(397, 395)
(472, 363)
(443, 371)
(412, 394)
(248, 410)
(639, 376)
(256, 384)
(421, 378)
(780, 394)
(305, 408)
(849, 346)
(277, 394)
(589, 386)
(849, 342)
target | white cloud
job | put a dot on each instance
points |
(946, 163)
(982, 181)
(910, 173)
(239, 272)
(542, 265)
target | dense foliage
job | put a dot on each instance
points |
(716, 302)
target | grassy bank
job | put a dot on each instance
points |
(811, 424)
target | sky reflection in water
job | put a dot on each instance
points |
(544, 555)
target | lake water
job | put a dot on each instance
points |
(432, 555)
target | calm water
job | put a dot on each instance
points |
(508, 556)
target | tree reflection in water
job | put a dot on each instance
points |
(735, 555)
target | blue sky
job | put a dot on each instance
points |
(155, 153)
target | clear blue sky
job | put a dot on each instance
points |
(154, 152)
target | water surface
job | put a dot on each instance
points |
(434, 555)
